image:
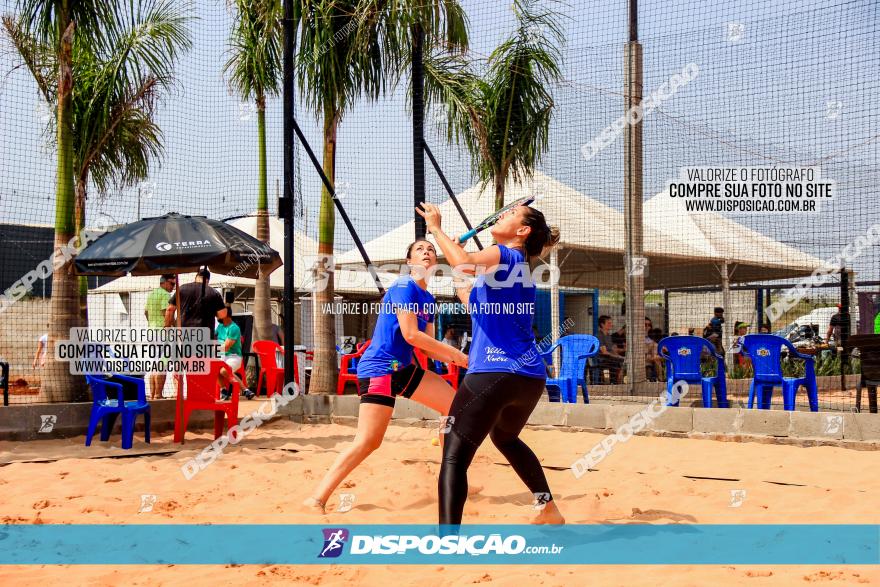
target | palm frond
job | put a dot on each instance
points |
(91, 19)
(36, 56)
(254, 65)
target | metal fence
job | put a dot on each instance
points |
(738, 87)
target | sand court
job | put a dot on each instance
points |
(264, 479)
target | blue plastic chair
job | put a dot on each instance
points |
(576, 349)
(105, 409)
(765, 351)
(683, 357)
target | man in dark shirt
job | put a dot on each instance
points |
(199, 304)
(609, 356)
(714, 330)
(835, 327)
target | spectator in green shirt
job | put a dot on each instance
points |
(154, 310)
(229, 335)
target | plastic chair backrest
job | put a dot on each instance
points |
(99, 388)
(573, 346)
(685, 353)
(203, 387)
(765, 351)
(266, 349)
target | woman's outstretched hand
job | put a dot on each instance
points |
(431, 214)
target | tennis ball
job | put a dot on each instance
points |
(435, 441)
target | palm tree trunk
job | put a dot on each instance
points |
(262, 294)
(324, 369)
(499, 191)
(57, 382)
(79, 214)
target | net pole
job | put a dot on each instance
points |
(285, 206)
(635, 280)
(418, 108)
(451, 193)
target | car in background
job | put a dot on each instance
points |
(810, 329)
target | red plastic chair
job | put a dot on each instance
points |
(203, 393)
(450, 377)
(270, 372)
(348, 372)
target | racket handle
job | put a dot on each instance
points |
(468, 235)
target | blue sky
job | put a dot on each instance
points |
(795, 83)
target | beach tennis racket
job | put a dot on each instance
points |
(491, 220)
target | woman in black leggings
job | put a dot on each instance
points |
(506, 375)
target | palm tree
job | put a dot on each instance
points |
(255, 70)
(338, 61)
(409, 28)
(503, 116)
(106, 133)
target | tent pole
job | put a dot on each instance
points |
(177, 378)
(554, 310)
(725, 297)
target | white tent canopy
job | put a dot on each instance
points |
(681, 251)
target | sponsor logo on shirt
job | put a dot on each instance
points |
(495, 355)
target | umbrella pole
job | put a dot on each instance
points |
(177, 376)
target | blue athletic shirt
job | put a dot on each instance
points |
(503, 341)
(388, 350)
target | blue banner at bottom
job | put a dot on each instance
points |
(643, 544)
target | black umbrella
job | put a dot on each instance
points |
(177, 244)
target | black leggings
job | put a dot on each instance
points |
(497, 405)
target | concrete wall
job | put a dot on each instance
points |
(24, 422)
(805, 428)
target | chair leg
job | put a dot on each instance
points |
(707, 394)
(231, 421)
(752, 387)
(107, 425)
(572, 391)
(218, 424)
(147, 425)
(127, 429)
(872, 399)
(765, 395)
(721, 394)
(183, 424)
(93, 425)
(813, 395)
(586, 393)
(789, 391)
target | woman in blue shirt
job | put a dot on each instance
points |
(387, 370)
(506, 376)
